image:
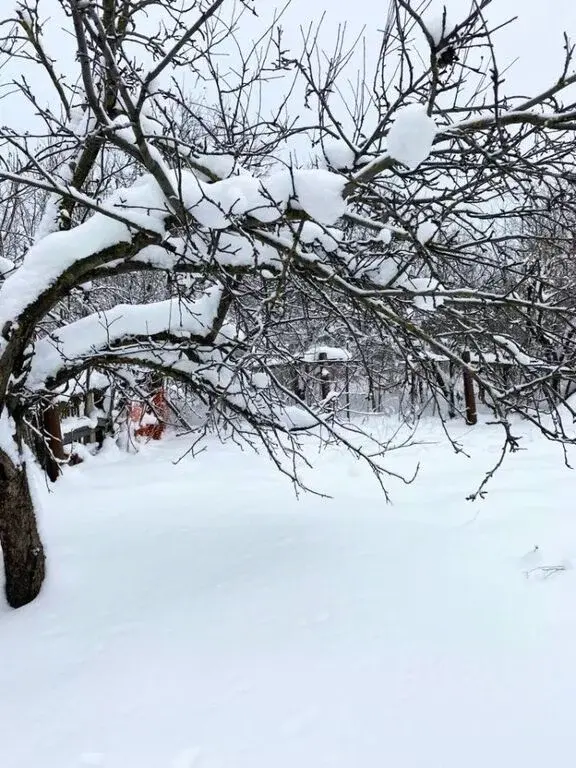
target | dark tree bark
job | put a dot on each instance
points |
(324, 376)
(469, 396)
(55, 454)
(24, 566)
(446, 387)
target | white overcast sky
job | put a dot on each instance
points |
(535, 39)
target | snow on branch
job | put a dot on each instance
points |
(47, 260)
(316, 191)
(411, 136)
(408, 214)
(176, 318)
(215, 206)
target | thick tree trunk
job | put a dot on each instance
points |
(24, 566)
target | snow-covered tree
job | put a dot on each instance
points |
(380, 232)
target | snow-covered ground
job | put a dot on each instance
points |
(199, 615)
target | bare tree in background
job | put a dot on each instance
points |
(395, 233)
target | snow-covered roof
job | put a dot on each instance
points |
(330, 354)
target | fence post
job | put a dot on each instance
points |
(324, 376)
(53, 434)
(469, 396)
(451, 390)
(88, 410)
(298, 383)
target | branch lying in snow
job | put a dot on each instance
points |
(545, 571)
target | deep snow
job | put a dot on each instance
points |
(200, 615)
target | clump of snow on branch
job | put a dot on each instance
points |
(143, 204)
(274, 193)
(378, 268)
(385, 235)
(426, 232)
(122, 127)
(292, 417)
(319, 192)
(237, 251)
(231, 250)
(338, 155)
(411, 136)
(221, 165)
(328, 238)
(149, 123)
(438, 25)
(511, 346)
(428, 302)
(261, 380)
(384, 271)
(159, 257)
(50, 257)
